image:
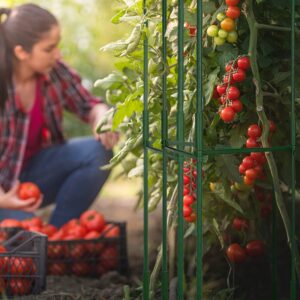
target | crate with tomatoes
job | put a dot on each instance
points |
(87, 246)
(23, 264)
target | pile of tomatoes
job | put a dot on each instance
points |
(84, 246)
(227, 93)
(225, 31)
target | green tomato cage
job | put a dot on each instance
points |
(177, 150)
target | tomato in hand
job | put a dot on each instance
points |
(235, 253)
(29, 190)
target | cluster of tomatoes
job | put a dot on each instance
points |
(16, 273)
(252, 165)
(189, 191)
(238, 254)
(227, 93)
(226, 30)
(78, 241)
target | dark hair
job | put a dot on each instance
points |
(24, 25)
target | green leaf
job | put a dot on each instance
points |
(229, 165)
(227, 198)
(218, 232)
(126, 109)
(237, 137)
(113, 80)
(210, 84)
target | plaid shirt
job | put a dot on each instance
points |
(62, 89)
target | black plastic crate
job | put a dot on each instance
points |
(23, 266)
(8, 232)
(91, 258)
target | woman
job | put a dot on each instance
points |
(35, 87)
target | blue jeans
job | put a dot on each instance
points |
(69, 175)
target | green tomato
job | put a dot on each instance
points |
(232, 37)
(212, 30)
(242, 187)
(221, 17)
(222, 34)
(219, 41)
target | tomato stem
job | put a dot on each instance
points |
(254, 26)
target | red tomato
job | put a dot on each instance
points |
(255, 248)
(92, 220)
(227, 114)
(259, 157)
(188, 200)
(56, 250)
(29, 190)
(251, 174)
(57, 268)
(235, 253)
(111, 231)
(96, 246)
(21, 266)
(229, 67)
(70, 224)
(232, 2)
(187, 211)
(248, 162)
(237, 105)
(233, 12)
(192, 218)
(78, 231)
(19, 286)
(254, 131)
(240, 224)
(233, 93)
(11, 223)
(109, 258)
(49, 229)
(34, 221)
(239, 75)
(75, 249)
(242, 169)
(221, 88)
(252, 143)
(186, 191)
(244, 63)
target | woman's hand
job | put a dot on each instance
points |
(108, 139)
(10, 200)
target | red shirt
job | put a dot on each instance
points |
(62, 89)
(34, 139)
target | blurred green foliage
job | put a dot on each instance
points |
(86, 27)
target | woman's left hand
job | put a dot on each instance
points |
(108, 139)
